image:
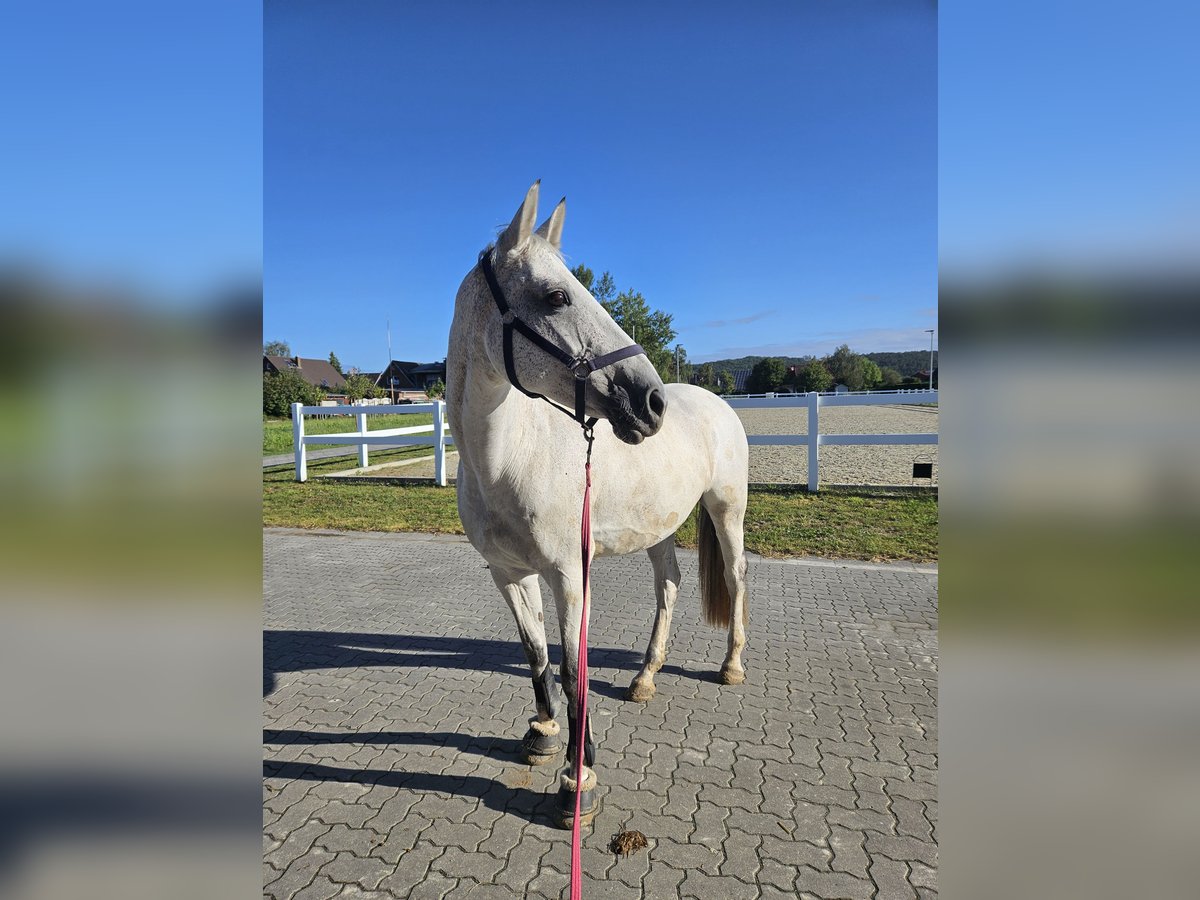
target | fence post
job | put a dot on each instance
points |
(439, 442)
(362, 448)
(814, 432)
(298, 440)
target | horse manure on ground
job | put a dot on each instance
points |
(628, 842)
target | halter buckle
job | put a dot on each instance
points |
(582, 368)
(508, 316)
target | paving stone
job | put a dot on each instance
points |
(458, 863)
(796, 853)
(472, 891)
(523, 866)
(295, 845)
(359, 841)
(830, 885)
(400, 840)
(720, 887)
(662, 881)
(347, 868)
(321, 888)
(742, 860)
(411, 869)
(922, 876)
(401, 693)
(891, 878)
(777, 875)
(901, 848)
(299, 874)
(435, 887)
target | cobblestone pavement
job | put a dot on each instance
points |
(396, 692)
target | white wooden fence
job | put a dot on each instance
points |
(436, 435)
(814, 440)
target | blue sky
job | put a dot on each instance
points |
(137, 160)
(767, 174)
(1068, 135)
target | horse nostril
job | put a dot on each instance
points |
(656, 402)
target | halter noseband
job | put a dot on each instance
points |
(580, 365)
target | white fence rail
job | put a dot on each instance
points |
(814, 440)
(436, 435)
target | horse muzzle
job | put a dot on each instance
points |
(636, 414)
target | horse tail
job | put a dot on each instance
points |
(715, 602)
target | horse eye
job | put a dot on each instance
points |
(557, 299)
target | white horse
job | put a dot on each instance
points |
(658, 451)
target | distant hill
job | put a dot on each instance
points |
(907, 362)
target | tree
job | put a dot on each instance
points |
(706, 377)
(681, 369)
(584, 275)
(843, 365)
(814, 377)
(605, 289)
(335, 362)
(651, 328)
(276, 348)
(725, 382)
(359, 386)
(891, 377)
(436, 391)
(767, 375)
(282, 389)
(870, 375)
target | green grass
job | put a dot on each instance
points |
(779, 523)
(1075, 579)
(277, 433)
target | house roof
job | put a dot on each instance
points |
(400, 370)
(429, 368)
(315, 371)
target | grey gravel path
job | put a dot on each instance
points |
(890, 465)
(395, 693)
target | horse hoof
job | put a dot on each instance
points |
(538, 749)
(731, 676)
(564, 806)
(640, 692)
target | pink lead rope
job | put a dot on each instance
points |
(585, 543)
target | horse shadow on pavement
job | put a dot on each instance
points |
(296, 651)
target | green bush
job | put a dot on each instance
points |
(359, 386)
(282, 389)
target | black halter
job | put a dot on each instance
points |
(580, 365)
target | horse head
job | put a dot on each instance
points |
(559, 324)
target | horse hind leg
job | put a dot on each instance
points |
(723, 574)
(541, 744)
(666, 589)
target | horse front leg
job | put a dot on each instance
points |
(568, 597)
(541, 744)
(666, 588)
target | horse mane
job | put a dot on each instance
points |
(533, 237)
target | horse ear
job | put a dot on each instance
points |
(551, 229)
(521, 227)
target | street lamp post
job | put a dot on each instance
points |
(929, 331)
